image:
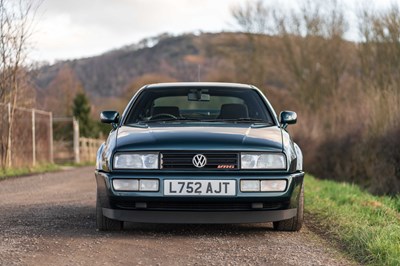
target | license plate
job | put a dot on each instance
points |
(200, 187)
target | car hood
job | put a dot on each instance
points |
(199, 137)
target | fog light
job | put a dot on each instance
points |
(149, 185)
(250, 185)
(126, 184)
(273, 185)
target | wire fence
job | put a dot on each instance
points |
(30, 137)
(26, 136)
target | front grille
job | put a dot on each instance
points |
(200, 206)
(215, 160)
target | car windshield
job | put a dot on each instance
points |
(209, 104)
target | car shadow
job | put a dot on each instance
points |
(76, 220)
(195, 229)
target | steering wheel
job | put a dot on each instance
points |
(163, 114)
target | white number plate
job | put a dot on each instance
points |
(200, 187)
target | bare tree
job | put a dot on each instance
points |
(379, 51)
(15, 29)
(313, 49)
(379, 56)
(311, 45)
(254, 19)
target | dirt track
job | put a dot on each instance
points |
(49, 219)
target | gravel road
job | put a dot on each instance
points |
(49, 219)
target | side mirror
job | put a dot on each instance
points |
(287, 118)
(109, 117)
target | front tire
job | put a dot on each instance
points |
(295, 223)
(104, 223)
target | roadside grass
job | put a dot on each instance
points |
(43, 168)
(367, 226)
(21, 171)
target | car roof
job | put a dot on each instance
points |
(198, 84)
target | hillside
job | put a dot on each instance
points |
(109, 74)
(116, 74)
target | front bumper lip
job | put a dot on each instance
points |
(195, 217)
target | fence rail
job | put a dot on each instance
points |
(88, 149)
(71, 147)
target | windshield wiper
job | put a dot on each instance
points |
(246, 119)
(137, 124)
(234, 120)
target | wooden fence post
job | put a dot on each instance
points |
(33, 137)
(51, 138)
(76, 139)
(9, 143)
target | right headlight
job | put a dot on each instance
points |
(262, 160)
(136, 161)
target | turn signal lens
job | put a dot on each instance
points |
(250, 185)
(148, 185)
(136, 184)
(273, 185)
(263, 185)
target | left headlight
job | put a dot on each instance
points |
(258, 160)
(136, 161)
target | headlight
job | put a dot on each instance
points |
(136, 161)
(257, 160)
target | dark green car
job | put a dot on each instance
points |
(199, 153)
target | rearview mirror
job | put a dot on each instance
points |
(287, 118)
(109, 117)
(199, 95)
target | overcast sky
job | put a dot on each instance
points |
(68, 29)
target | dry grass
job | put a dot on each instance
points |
(353, 138)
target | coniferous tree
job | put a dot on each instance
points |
(81, 111)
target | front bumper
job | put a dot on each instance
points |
(196, 217)
(155, 207)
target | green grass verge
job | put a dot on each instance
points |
(368, 226)
(9, 172)
(44, 168)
